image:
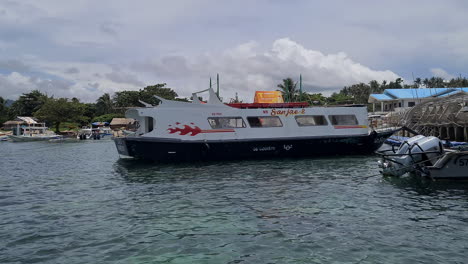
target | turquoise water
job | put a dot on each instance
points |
(78, 203)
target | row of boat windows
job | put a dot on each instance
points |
(275, 121)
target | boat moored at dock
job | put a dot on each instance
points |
(33, 132)
(425, 157)
(187, 131)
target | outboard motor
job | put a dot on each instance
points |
(411, 156)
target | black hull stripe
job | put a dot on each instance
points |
(157, 149)
(176, 140)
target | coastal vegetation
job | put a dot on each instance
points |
(65, 113)
(59, 111)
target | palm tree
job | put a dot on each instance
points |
(104, 105)
(288, 89)
(417, 82)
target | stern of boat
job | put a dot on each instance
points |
(121, 145)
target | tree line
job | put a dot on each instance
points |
(55, 111)
(359, 93)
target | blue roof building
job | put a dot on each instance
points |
(392, 99)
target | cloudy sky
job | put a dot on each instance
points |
(86, 48)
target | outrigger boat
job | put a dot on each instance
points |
(188, 131)
(33, 132)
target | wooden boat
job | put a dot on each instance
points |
(174, 131)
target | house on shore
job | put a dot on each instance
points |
(20, 120)
(125, 123)
(399, 99)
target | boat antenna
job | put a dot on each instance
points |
(300, 87)
(416, 90)
(217, 84)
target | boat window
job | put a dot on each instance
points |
(264, 121)
(149, 124)
(226, 122)
(311, 120)
(343, 119)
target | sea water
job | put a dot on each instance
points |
(79, 203)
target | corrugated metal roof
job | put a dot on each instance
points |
(390, 94)
(456, 90)
(415, 93)
(381, 97)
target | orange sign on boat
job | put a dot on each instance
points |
(268, 97)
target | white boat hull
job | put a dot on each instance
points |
(453, 165)
(33, 138)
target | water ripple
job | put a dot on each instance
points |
(78, 203)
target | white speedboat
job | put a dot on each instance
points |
(89, 133)
(33, 132)
(196, 130)
(425, 157)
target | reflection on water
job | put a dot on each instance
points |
(81, 204)
(426, 186)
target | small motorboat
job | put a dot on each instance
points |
(88, 133)
(452, 165)
(425, 157)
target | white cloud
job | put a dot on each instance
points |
(246, 68)
(439, 72)
(243, 69)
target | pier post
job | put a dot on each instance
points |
(451, 133)
(459, 133)
(465, 134)
(443, 132)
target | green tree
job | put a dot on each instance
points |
(458, 82)
(315, 98)
(28, 103)
(358, 93)
(288, 89)
(434, 82)
(3, 111)
(60, 110)
(126, 99)
(375, 87)
(148, 93)
(417, 82)
(107, 117)
(397, 84)
(104, 105)
(131, 98)
(339, 98)
(89, 113)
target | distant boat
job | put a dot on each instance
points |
(94, 133)
(33, 132)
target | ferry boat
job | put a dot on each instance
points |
(188, 131)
